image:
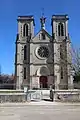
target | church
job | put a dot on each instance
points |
(42, 59)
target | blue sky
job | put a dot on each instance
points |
(10, 9)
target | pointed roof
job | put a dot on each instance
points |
(46, 32)
(43, 30)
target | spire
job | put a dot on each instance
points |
(42, 20)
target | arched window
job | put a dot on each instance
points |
(61, 73)
(25, 30)
(43, 36)
(61, 52)
(25, 53)
(60, 29)
(24, 72)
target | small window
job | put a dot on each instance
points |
(61, 52)
(61, 73)
(25, 30)
(25, 53)
(43, 36)
(60, 29)
(25, 73)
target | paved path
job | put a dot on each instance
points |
(40, 103)
(40, 111)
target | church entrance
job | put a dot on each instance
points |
(43, 82)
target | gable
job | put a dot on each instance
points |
(41, 36)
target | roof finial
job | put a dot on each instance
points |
(43, 12)
(42, 20)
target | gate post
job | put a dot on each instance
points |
(26, 92)
(51, 93)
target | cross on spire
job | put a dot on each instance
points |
(42, 11)
(42, 20)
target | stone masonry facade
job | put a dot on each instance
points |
(43, 60)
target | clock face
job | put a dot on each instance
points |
(43, 51)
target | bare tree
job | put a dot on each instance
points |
(7, 81)
(76, 63)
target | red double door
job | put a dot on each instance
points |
(43, 82)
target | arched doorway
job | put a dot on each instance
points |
(43, 82)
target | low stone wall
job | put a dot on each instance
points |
(12, 96)
(20, 96)
(67, 95)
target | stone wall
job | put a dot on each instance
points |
(12, 96)
(67, 95)
(20, 96)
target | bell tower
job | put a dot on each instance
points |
(60, 26)
(22, 61)
(62, 52)
(25, 26)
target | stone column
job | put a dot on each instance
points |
(56, 83)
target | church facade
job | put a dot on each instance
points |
(43, 60)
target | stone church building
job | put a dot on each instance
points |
(43, 60)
